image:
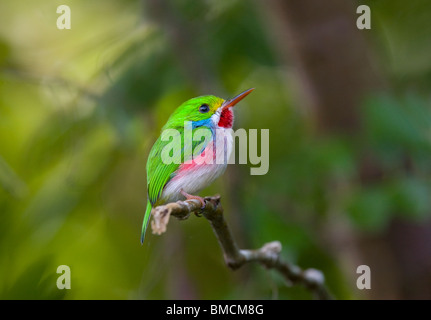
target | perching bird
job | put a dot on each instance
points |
(195, 170)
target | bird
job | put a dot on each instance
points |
(170, 182)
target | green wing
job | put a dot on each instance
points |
(159, 173)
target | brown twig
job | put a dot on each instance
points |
(268, 255)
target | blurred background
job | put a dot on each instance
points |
(348, 111)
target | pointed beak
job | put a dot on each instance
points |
(238, 98)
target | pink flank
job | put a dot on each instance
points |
(203, 159)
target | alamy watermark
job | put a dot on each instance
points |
(364, 20)
(212, 146)
(364, 280)
(64, 20)
(63, 281)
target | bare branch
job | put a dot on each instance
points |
(268, 255)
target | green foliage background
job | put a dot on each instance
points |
(80, 109)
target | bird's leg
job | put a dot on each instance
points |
(190, 196)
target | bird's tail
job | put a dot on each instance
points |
(146, 221)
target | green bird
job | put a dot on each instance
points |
(198, 162)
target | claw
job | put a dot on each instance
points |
(190, 196)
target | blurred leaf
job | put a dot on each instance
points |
(10, 181)
(398, 127)
(38, 281)
(369, 208)
(411, 198)
(405, 31)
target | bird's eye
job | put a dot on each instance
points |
(204, 108)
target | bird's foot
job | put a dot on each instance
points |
(190, 197)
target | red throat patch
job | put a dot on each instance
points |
(226, 118)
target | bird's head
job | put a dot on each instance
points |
(206, 111)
